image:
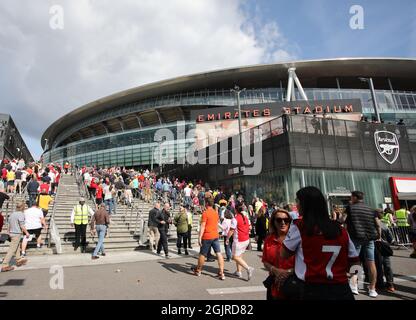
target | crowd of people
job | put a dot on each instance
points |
(303, 243)
(307, 249)
(33, 186)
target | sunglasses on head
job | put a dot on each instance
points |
(280, 220)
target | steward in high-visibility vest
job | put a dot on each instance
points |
(387, 219)
(401, 216)
(79, 219)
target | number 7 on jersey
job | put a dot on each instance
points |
(335, 252)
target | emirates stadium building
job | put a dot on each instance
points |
(120, 129)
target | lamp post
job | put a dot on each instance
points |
(373, 96)
(160, 157)
(237, 92)
(152, 155)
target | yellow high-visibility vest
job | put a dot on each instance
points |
(81, 214)
(386, 219)
(190, 220)
(401, 216)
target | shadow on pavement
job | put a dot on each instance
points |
(207, 270)
(13, 283)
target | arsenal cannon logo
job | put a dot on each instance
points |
(387, 145)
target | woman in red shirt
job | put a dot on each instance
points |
(99, 194)
(279, 268)
(323, 249)
(240, 230)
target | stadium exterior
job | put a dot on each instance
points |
(12, 145)
(119, 129)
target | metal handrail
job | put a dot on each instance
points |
(53, 231)
(9, 207)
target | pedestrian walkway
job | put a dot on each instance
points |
(78, 260)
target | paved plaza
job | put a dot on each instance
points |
(143, 275)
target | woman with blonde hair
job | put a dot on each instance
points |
(279, 268)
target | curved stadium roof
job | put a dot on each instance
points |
(312, 74)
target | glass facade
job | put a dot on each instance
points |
(281, 185)
(131, 148)
(393, 105)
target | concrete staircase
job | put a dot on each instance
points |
(9, 206)
(123, 234)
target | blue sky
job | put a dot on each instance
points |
(108, 46)
(320, 28)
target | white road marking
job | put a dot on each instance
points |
(399, 278)
(234, 290)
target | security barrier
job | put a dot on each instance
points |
(400, 236)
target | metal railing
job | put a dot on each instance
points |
(53, 231)
(400, 236)
(8, 207)
(83, 191)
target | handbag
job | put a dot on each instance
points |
(293, 288)
(384, 248)
(268, 282)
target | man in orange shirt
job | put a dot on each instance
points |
(209, 237)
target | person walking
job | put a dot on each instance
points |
(382, 260)
(401, 216)
(209, 238)
(11, 176)
(43, 201)
(15, 230)
(323, 249)
(79, 219)
(279, 269)
(153, 224)
(261, 228)
(240, 230)
(99, 224)
(225, 226)
(181, 223)
(190, 225)
(32, 190)
(34, 223)
(362, 228)
(163, 219)
(411, 220)
(99, 195)
(187, 195)
(108, 190)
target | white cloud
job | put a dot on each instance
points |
(108, 46)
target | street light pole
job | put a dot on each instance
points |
(152, 156)
(237, 92)
(373, 96)
(160, 157)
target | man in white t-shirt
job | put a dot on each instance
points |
(187, 193)
(87, 178)
(34, 222)
(21, 164)
(108, 192)
(14, 165)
